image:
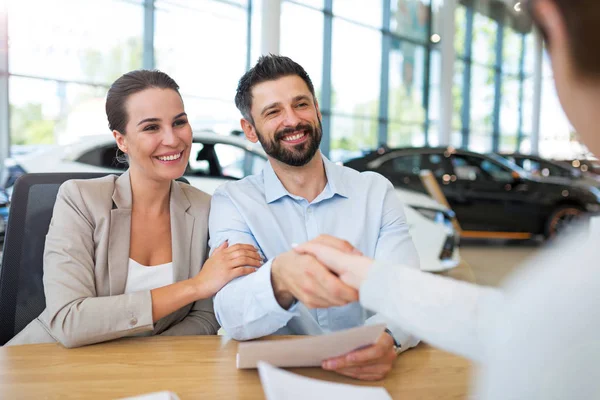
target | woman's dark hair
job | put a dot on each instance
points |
(128, 84)
(581, 18)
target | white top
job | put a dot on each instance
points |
(537, 338)
(141, 277)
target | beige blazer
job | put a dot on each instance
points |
(86, 264)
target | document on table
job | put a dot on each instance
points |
(164, 395)
(309, 351)
(283, 385)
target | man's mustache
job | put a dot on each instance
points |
(300, 127)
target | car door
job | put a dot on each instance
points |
(103, 157)
(485, 188)
(236, 162)
(212, 164)
(403, 171)
(537, 167)
(439, 165)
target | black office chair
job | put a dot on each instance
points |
(21, 287)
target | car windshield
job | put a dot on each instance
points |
(509, 164)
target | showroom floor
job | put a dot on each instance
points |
(493, 261)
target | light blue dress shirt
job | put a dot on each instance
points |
(361, 208)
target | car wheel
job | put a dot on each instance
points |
(561, 219)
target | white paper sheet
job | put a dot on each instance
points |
(283, 385)
(308, 351)
(165, 395)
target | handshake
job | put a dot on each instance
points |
(325, 272)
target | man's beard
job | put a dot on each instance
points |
(302, 153)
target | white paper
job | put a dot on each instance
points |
(164, 395)
(283, 385)
(308, 351)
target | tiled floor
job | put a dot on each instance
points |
(493, 261)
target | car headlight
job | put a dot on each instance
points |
(595, 191)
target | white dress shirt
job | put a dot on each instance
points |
(536, 339)
(361, 208)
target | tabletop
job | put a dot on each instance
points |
(196, 367)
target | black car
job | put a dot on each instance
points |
(487, 192)
(587, 167)
(539, 166)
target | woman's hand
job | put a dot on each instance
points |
(352, 268)
(225, 264)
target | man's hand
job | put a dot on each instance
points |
(302, 277)
(368, 364)
(352, 268)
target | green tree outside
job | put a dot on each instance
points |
(28, 123)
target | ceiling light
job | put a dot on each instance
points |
(518, 7)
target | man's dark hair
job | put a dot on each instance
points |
(127, 85)
(268, 68)
(581, 19)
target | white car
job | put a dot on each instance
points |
(216, 158)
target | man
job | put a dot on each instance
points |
(301, 196)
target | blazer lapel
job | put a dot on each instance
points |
(182, 229)
(119, 235)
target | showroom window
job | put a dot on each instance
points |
(60, 72)
(493, 87)
(189, 39)
(361, 108)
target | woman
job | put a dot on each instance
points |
(538, 337)
(124, 255)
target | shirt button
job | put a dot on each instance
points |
(133, 321)
(309, 211)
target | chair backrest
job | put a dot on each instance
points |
(21, 287)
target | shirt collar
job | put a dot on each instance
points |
(335, 177)
(274, 189)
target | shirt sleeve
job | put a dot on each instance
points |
(246, 307)
(446, 313)
(395, 247)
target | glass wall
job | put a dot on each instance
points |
(558, 138)
(493, 80)
(60, 71)
(355, 85)
(189, 42)
(376, 68)
(379, 69)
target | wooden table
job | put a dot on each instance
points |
(196, 367)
